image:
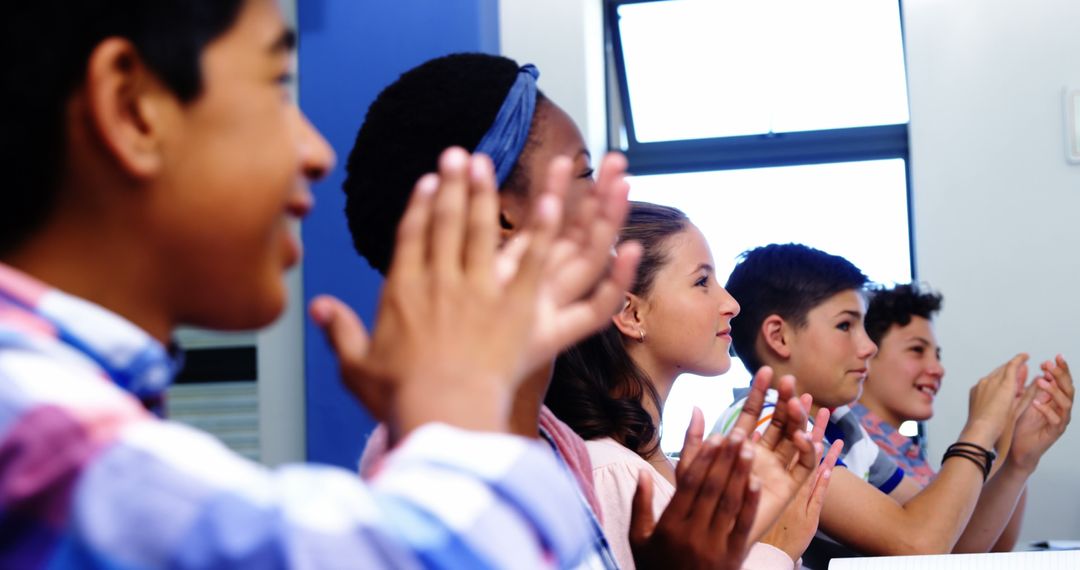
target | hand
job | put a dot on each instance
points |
(799, 521)
(449, 335)
(786, 455)
(1047, 413)
(993, 400)
(707, 523)
(582, 284)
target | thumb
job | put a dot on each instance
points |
(342, 328)
(642, 520)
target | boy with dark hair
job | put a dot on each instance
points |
(802, 314)
(905, 376)
(154, 164)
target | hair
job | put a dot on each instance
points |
(49, 43)
(788, 280)
(447, 101)
(896, 306)
(596, 387)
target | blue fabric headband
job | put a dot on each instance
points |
(506, 138)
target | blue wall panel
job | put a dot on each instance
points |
(348, 51)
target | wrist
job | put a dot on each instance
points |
(473, 405)
(1018, 466)
(980, 433)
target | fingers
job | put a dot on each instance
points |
(691, 479)
(448, 229)
(583, 317)
(343, 329)
(821, 483)
(642, 519)
(775, 434)
(713, 485)
(693, 440)
(541, 233)
(820, 422)
(755, 400)
(482, 234)
(411, 247)
(732, 495)
(744, 524)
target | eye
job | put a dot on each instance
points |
(844, 326)
(918, 350)
(285, 79)
(587, 174)
(702, 282)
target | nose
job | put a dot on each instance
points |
(728, 305)
(316, 155)
(936, 370)
(867, 348)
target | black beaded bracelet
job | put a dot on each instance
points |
(975, 453)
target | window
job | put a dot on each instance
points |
(766, 122)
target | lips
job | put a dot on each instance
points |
(725, 334)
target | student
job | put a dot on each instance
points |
(802, 314)
(490, 104)
(611, 388)
(154, 163)
(905, 375)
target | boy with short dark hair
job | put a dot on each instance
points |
(154, 164)
(802, 314)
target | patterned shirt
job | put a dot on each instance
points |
(905, 451)
(90, 479)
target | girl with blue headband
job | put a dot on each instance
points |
(491, 105)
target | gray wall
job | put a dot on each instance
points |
(996, 206)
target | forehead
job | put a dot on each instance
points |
(918, 328)
(840, 304)
(687, 250)
(258, 32)
(556, 133)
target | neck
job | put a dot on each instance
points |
(662, 379)
(781, 369)
(878, 409)
(100, 264)
(525, 411)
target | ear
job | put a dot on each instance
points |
(629, 319)
(776, 336)
(127, 106)
(513, 210)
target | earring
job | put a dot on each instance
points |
(641, 335)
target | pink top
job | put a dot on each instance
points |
(615, 472)
(569, 444)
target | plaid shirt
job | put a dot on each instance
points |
(89, 478)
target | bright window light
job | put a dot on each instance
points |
(716, 68)
(855, 209)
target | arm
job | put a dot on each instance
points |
(167, 496)
(1044, 415)
(1007, 541)
(933, 519)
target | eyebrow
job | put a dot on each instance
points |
(851, 313)
(921, 340)
(284, 42)
(585, 151)
(708, 268)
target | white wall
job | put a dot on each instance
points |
(995, 203)
(565, 40)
